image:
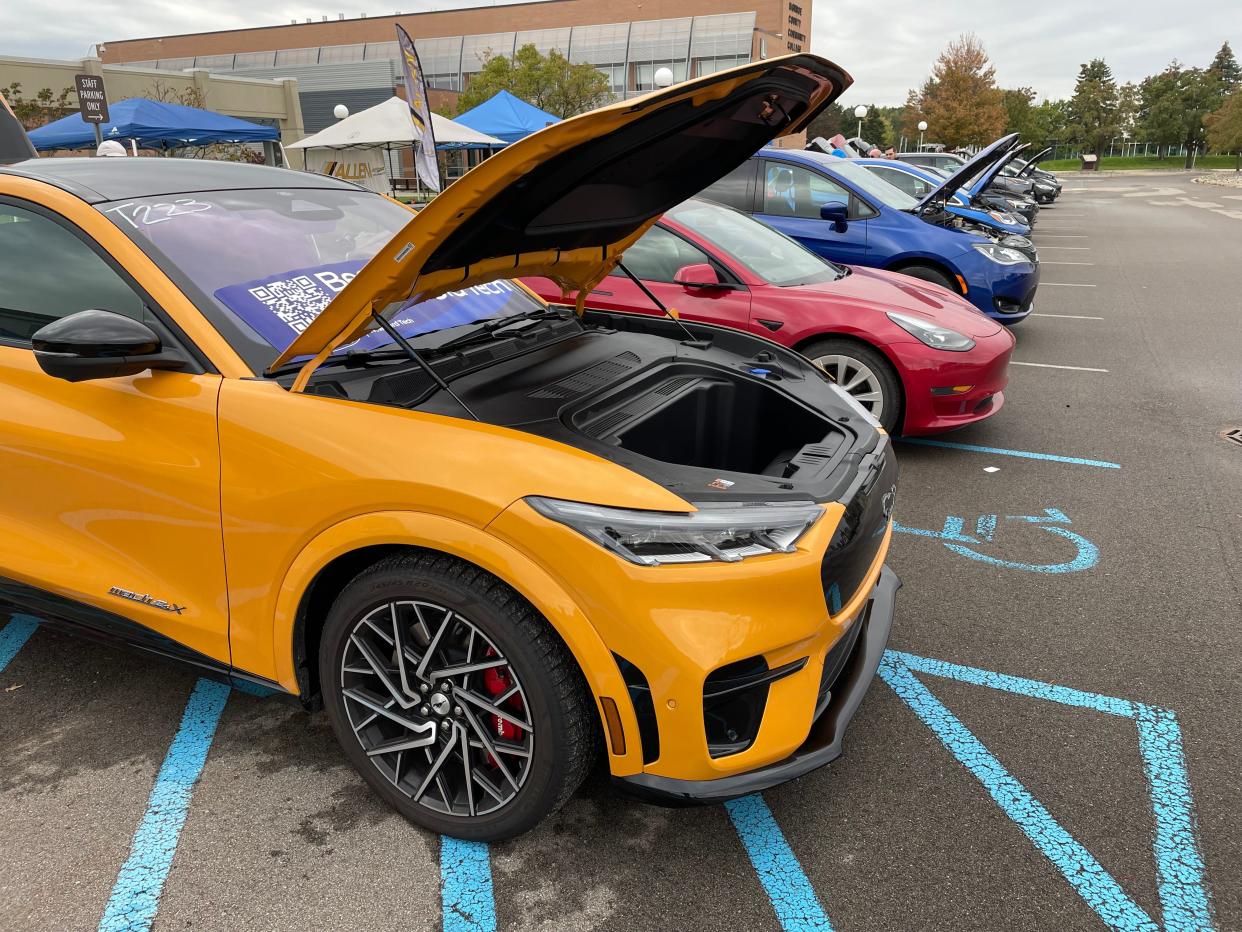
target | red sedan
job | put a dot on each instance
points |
(921, 359)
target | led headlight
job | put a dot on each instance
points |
(1001, 254)
(717, 532)
(1002, 217)
(933, 335)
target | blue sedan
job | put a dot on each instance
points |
(841, 211)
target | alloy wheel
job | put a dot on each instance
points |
(437, 708)
(857, 379)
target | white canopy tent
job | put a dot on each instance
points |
(361, 142)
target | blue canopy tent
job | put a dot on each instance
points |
(154, 125)
(506, 117)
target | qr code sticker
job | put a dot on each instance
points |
(296, 301)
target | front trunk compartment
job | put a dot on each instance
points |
(687, 415)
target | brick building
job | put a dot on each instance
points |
(354, 61)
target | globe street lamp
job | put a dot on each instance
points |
(922, 130)
(340, 111)
(861, 112)
(664, 77)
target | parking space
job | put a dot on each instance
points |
(1053, 742)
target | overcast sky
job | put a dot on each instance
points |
(888, 45)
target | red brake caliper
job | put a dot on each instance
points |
(498, 681)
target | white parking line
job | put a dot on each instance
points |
(1068, 316)
(1048, 365)
(1064, 285)
(1068, 263)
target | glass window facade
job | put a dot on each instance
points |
(287, 57)
(545, 40)
(335, 54)
(476, 50)
(629, 54)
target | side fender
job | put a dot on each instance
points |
(476, 546)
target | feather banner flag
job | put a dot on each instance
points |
(425, 161)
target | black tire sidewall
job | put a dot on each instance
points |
(542, 787)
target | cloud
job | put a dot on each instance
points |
(889, 47)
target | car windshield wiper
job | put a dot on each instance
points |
(492, 328)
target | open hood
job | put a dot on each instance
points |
(986, 163)
(1033, 162)
(565, 202)
(15, 145)
(989, 174)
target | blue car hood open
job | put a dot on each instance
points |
(985, 165)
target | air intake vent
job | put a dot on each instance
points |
(589, 379)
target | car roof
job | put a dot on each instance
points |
(805, 156)
(96, 180)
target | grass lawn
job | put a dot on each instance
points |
(1120, 163)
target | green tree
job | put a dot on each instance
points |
(1225, 70)
(828, 122)
(960, 100)
(1092, 110)
(1019, 113)
(551, 82)
(909, 117)
(1224, 127)
(875, 128)
(1172, 106)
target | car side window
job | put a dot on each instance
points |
(658, 255)
(791, 191)
(913, 186)
(46, 273)
(734, 189)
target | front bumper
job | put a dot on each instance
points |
(822, 745)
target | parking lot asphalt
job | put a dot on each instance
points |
(1054, 742)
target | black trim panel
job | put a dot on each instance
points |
(102, 626)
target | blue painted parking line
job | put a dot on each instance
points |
(797, 907)
(467, 903)
(136, 894)
(999, 451)
(1183, 894)
(14, 635)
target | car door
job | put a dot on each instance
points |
(655, 259)
(109, 508)
(790, 198)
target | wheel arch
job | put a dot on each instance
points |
(339, 553)
(939, 265)
(807, 341)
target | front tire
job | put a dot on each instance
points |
(928, 273)
(864, 374)
(454, 698)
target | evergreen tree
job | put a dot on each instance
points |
(1092, 111)
(1225, 70)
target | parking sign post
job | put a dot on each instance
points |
(92, 102)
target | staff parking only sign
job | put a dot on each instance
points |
(92, 99)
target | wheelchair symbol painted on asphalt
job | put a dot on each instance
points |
(954, 538)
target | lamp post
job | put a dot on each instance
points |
(922, 130)
(861, 112)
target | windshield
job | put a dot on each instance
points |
(261, 264)
(772, 256)
(869, 184)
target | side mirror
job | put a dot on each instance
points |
(100, 345)
(836, 213)
(699, 275)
